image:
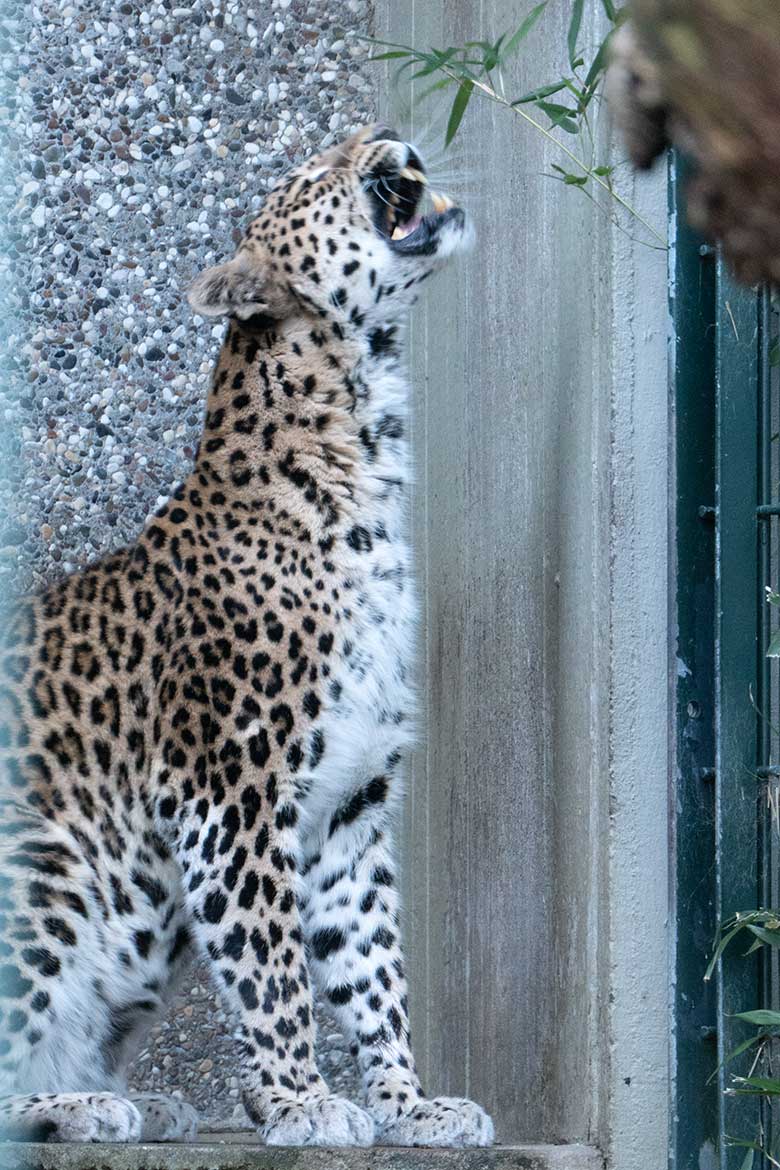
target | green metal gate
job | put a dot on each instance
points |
(726, 501)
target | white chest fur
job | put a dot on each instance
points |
(368, 709)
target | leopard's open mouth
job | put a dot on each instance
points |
(398, 201)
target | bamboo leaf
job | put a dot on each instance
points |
(465, 90)
(492, 54)
(762, 1018)
(770, 937)
(555, 110)
(387, 44)
(437, 59)
(445, 81)
(766, 1086)
(542, 92)
(567, 178)
(751, 1147)
(720, 948)
(609, 8)
(562, 116)
(524, 29)
(426, 71)
(758, 1038)
(395, 53)
(598, 64)
(574, 29)
(572, 88)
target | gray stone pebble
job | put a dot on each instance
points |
(139, 139)
(193, 1052)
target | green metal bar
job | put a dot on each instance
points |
(739, 981)
(694, 1098)
(765, 769)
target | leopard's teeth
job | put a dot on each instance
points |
(403, 230)
(414, 175)
(441, 202)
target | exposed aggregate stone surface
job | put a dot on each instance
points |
(140, 137)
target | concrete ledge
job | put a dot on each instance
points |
(241, 1152)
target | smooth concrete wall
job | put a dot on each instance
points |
(536, 826)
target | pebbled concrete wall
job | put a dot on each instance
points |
(139, 138)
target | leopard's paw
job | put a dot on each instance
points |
(318, 1121)
(165, 1119)
(441, 1121)
(69, 1117)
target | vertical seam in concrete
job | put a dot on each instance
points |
(637, 748)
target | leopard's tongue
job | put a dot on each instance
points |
(400, 232)
(441, 203)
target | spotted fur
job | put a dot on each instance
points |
(202, 733)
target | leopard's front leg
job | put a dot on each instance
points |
(239, 874)
(350, 917)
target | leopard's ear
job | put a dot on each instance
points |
(241, 288)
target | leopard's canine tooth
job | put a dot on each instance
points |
(413, 174)
(441, 202)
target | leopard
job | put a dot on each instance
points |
(204, 734)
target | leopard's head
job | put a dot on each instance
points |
(347, 236)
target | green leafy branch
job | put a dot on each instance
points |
(763, 925)
(763, 930)
(773, 598)
(477, 67)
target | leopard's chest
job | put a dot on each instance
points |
(371, 673)
(367, 717)
(368, 709)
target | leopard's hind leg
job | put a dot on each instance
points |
(79, 987)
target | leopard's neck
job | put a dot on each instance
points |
(311, 417)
